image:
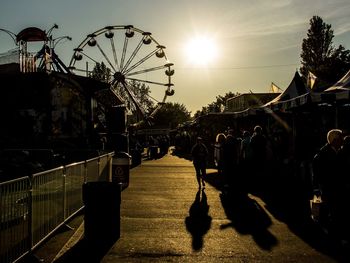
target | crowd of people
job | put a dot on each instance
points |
(245, 160)
(157, 146)
(239, 158)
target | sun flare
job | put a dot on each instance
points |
(201, 50)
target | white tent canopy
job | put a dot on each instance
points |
(296, 89)
(341, 85)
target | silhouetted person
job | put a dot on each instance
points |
(163, 145)
(326, 173)
(231, 153)
(199, 154)
(219, 152)
(246, 156)
(152, 148)
(245, 146)
(343, 191)
(258, 152)
(258, 144)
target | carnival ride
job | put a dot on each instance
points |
(43, 60)
(137, 67)
(133, 60)
(49, 105)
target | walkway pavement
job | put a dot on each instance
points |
(164, 218)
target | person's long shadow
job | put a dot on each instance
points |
(245, 214)
(248, 218)
(198, 222)
(215, 179)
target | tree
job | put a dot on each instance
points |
(101, 72)
(319, 56)
(216, 106)
(170, 115)
(141, 93)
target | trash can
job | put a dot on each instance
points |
(121, 169)
(101, 211)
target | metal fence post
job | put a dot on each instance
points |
(64, 193)
(85, 171)
(30, 213)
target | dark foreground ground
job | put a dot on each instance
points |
(165, 218)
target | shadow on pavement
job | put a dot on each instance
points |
(248, 218)
(198, 222)
(87, 251)
(287, 201)
(181, 154)
(215, 180)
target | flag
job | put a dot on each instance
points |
(311, 79)
(275, 88)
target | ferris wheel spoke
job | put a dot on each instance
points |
(140, 61)
(123, 87)
(114, 53)
(146, 70)
(148, 81)
(154, 99)
(157, 108)
(125, 48)
(116, 94)
(132, 56)
(105, 56)
(92, 59)
(132, 97)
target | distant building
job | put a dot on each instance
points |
(248, 100)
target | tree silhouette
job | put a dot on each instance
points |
(101, 72)
(217, 105)
(171, 115)
(319, 56)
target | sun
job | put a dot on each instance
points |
(201, 50)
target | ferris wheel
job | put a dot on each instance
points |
(135, 65)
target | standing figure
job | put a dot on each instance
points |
(245, 158)
(258, 153)
(325, 166)
(258, 145)
(199, 154)
(231, 153)
(218, 152)
(245, 146)
(344, 190)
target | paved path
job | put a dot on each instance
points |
(164, 218)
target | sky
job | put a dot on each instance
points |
(254, 42)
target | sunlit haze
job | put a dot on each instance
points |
(201, 50)
(216, 46)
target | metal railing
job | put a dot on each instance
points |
(32, 208)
